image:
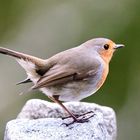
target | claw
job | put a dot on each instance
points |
(77, 115)
(76, 121)
(79, 120)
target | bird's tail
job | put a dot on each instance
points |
(28, 62)
(22, 56)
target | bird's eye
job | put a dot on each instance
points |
(106, 46)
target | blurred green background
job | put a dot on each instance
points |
(45, 27)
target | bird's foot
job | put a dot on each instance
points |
(77, 115)
(76, 121)
(78, 118)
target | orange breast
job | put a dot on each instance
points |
(104, 75)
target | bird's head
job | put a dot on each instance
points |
(104, 47)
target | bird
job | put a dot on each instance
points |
(70, 75)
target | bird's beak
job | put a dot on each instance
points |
(118, 46)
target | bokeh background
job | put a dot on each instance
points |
(45, 27)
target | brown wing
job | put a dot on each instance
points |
(70, 67)
(63, 76)
(56, 78)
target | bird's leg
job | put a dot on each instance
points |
(75, 117)
(57, 101)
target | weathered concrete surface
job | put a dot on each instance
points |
(42, 120)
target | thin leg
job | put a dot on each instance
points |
(75, 117)
(70, 113)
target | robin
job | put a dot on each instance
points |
(70, 75)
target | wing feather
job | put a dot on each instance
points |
(54, 79)
(68, 69)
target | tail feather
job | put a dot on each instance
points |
(12, 53)
(27, 80)
(28, 62)
(18, 55)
